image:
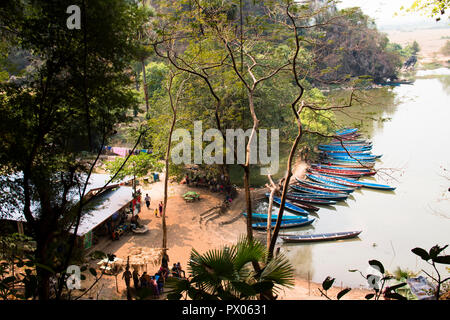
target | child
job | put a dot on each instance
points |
(156, 212)
(160, 208)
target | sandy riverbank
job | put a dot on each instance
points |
(188, 227)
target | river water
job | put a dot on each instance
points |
(410, 126)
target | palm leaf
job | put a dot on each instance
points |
(280, 271)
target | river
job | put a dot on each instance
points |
(410, 126)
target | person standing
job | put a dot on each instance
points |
(136, 279)
(127, 276)
(156, 212)
(147, 201)
(165, 260)
(160, 208)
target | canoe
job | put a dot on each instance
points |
(324, 187)
(322, 147)
(349, 144)
(345, 163)
(320, 237)
(284, 224)
(344, 156)
(310, 200)
(306, 189)
(345, 171)
(345, 142)
(365, 184)
(346, 131)
(289, 206)
(317, 196)
(362, 152)
(263, 216)
(350, 174)
(329, 179)
(324, 166)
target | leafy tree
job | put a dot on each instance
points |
(433, 257)
(77, 87)
(434, 8)
(137, 166)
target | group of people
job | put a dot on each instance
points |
(221, 184)
(158, 209)
(155, 282)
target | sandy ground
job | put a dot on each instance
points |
(188, 227)
(429, 40)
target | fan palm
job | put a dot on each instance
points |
(227, 273)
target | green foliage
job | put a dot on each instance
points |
(227, 274)
(433, 8)
(137, 166)
(77, 87)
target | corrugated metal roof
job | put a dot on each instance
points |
(96, 212)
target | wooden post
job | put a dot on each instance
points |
(309, 285)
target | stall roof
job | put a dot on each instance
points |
(103, 207)
(96, 212)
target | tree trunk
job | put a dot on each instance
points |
(43, 275)
(248, 202)
(145, 85)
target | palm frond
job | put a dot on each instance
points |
(279, 271)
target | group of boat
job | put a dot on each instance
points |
(343, 162)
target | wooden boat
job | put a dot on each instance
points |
(317, 196)
(324, 166)
(366, 184)
(263, 216)
(364, 157)
(301, 188)
(329, 179)
(351, 174)
(310, 200)
(346, 142)
(325, 147)
(289, 206)
(345, 163)
(321, 237)
(345, 171)
(341, 151)
(284, 224)
(324, 187)
(346, 131)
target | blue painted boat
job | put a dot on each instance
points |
(342, 151)
(323, 148)
(346, 131)
(366, 184)
(348, 163)
(333, 181)
(263, 216)
(320, 236)
(345, 156)
(303, 189)
(289, 206)
(345, 142)
(298, 199)
(317, 196)
(350, 174)
(325, 187)
(318, 165)
(285, 224)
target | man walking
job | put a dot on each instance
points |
(147, 201)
